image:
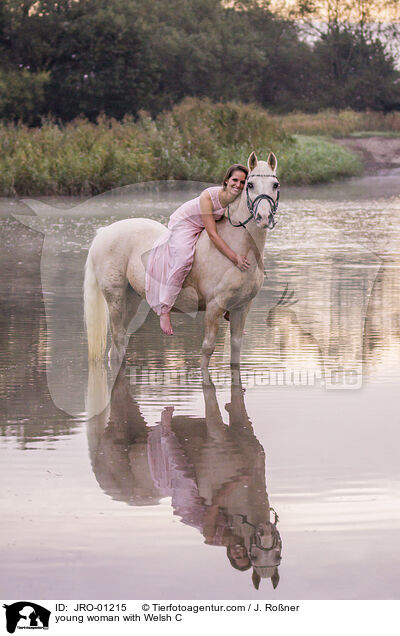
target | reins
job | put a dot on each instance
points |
(252, 206)
(255, 541)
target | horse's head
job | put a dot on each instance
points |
(262, 190)
(265, 553)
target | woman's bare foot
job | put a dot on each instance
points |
(165, 324)
(226, 315)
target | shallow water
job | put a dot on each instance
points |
(142, 502)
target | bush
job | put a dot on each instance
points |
(78, 158)
(196, 140)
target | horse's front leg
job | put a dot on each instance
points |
(216, 428)
(237, 320)
(212, 317)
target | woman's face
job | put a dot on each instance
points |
(239, 555)
(235, 183)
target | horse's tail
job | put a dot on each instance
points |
(97, 398)
(96, 313)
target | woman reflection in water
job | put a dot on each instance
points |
(172, 476)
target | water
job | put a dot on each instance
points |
(142, 501)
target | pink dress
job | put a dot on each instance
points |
(171, 257)
(175, 477)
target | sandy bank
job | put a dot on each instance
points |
(378, 153)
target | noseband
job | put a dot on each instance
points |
(256, 547)
(252, 206)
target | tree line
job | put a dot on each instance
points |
(64, 58)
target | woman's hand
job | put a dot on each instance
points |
(242, 263)
(209, 223)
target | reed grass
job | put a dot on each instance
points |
(313, 159)
(339, 123)
(196, 140)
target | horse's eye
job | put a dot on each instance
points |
(250, 185)
(276, 185)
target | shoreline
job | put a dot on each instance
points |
(377, 152)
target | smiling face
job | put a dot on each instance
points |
(235, 184)
(239, 557)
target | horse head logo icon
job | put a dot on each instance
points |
(25, 614)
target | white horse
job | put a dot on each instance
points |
(115, 269)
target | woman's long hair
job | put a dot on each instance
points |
(231, 170)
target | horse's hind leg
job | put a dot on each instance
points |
(123, 303)
(132, 301)
(118, 305)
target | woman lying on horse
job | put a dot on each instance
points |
(172, 257)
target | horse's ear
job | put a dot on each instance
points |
(252, 161)
(272, 161)
(275, 578)
(256, 579)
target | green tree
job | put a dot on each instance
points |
(358, 73)
(22, 95)
(206, 49)
(353, 44)
(103, 62)
(95, 50)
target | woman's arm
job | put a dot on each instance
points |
(212, 511)
(211, 228)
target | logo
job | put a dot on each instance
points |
(26, 615)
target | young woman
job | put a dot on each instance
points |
(171, 258)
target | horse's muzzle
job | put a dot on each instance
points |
(271, 221)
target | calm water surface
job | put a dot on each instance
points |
(149, 497)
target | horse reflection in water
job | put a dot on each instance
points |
(213, 472)
(296, 348)
(381, 343)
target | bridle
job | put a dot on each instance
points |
(257, 551)
(252, 206)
